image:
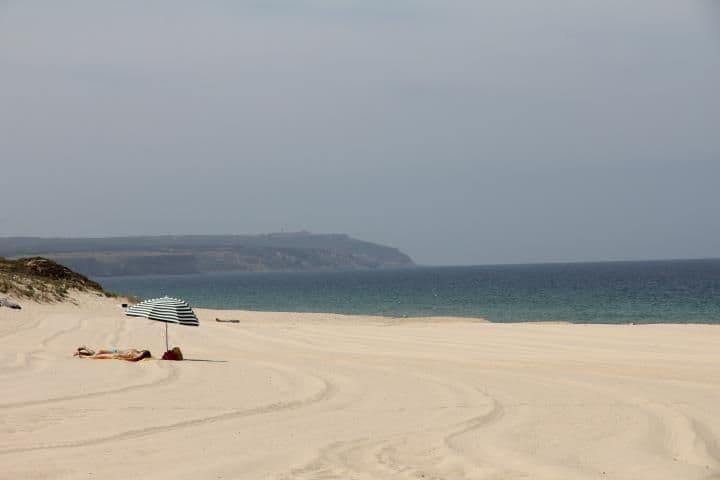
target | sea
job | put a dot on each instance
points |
(669, 291)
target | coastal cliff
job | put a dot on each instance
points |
(301, 251)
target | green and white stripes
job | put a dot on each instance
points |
(165, 309)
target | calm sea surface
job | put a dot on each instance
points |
(681, 291)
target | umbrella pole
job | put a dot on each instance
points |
(167, 346)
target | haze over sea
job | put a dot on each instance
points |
(668, 291)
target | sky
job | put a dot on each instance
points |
(460, 131)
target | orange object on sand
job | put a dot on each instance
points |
(173, 354)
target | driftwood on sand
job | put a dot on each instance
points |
(227, 321)
(4, 302)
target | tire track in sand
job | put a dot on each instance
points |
(397, 455)
(29, 359)
(171, 377)
(326, 392)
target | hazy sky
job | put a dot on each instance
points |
(462, 132)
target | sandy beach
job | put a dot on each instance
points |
(316, 396)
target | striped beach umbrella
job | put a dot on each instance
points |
(167, 310)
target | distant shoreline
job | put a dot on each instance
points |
(190, 254)
(435, 318)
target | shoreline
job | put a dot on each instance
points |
(445, 318)
(213, 313)
(379, 318)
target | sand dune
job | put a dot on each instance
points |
(310, 396)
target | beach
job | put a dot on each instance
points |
(323, 396)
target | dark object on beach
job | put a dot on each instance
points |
(227, 321)
(4, 302)
(129, 354)
(173, 354)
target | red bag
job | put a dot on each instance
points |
(173, 354)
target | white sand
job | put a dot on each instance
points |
(297, 396)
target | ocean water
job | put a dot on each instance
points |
(678, 291)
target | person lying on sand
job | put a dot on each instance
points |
(130, 354)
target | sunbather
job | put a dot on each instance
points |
(130, 354)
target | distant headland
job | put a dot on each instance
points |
(149, 255)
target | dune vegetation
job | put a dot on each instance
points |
(43, 280)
